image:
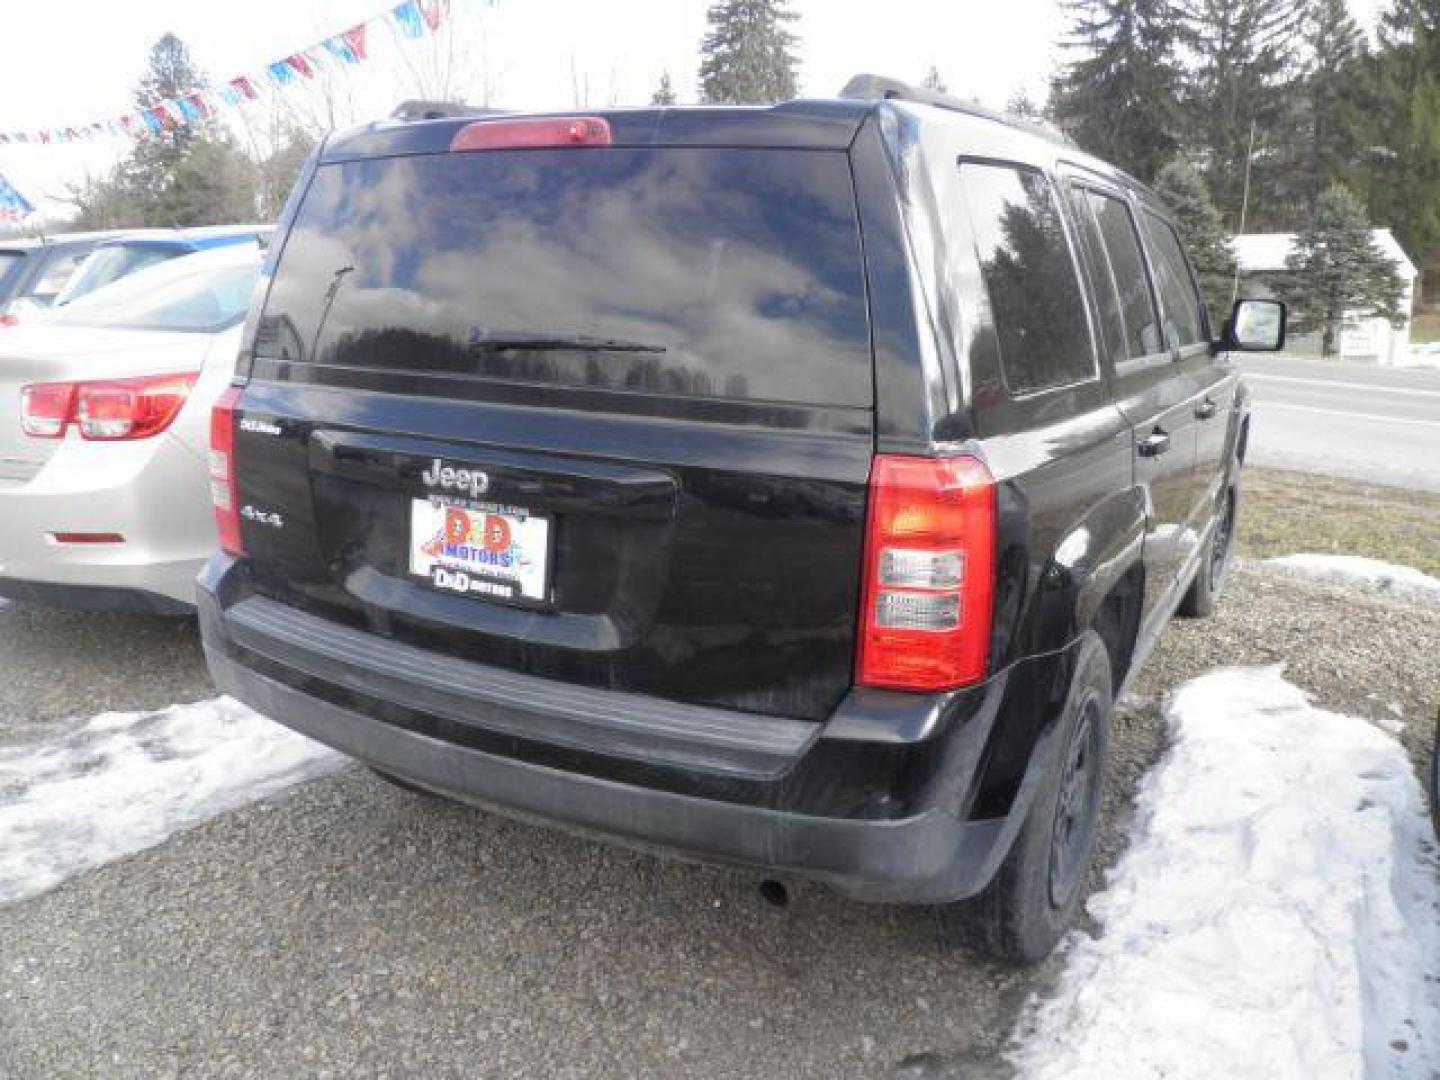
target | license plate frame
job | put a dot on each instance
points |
(471, 563)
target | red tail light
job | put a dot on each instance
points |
(46, 409)
(112, 410)
(929, 574)
(223, 491)
(527, 133)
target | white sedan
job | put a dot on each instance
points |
(104, 430)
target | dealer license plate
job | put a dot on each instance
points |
(495, 552)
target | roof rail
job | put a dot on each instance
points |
(866, 87)
(420, 109)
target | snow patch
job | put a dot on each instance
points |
(126, 781)
(1374, 574)
(1277, 915)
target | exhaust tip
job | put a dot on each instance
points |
(775, 893)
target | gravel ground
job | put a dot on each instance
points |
(349, 929)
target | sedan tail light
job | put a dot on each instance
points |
(223, 489)
(104, 411)
(929, 574)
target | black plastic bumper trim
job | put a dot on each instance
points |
(932, 857)
(632, 726)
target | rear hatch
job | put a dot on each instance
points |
(597, 414)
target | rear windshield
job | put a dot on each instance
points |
(109, 264)
(190, 297)
(699, 272)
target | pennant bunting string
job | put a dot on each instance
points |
(409, 20)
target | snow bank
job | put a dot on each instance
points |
(126, 781)
(1368, 573)
(1278, 914)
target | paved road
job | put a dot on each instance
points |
(347, 929)
(1380, 425)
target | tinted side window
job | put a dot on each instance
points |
(1122, 245)
(1025, 259)
(1177, 288)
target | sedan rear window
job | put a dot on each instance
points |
(699, 272)
(178, 297)
(109, 264)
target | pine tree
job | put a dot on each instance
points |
(1245, 52)
(1405, 184)
(934, 81)
(187, 174)
(748, 56)
(1336, 269)
(1121, 99)
(664, 93)
(1336, 89)
(1183, 189)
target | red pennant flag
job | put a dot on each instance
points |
(164, 115)
(434, 12)
(301, 65)
(242, 86)
(202, 106)
(355, 39)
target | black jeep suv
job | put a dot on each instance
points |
(793, 488)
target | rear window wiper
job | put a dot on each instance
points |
(503, 342)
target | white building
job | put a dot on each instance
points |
(1368, 339)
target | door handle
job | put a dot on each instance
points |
(1154, 444)
(1206, 409)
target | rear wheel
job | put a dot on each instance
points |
(1210, 578)
(1036, 893)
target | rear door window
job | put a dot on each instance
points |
(1181, 300)
(1030, 275)
(1119, 248)
(698, 272)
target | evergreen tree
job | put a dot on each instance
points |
(187, 174)
(1336, 89)
(1245, 54)
(1121, 99)
(1337, 269)
(748, 56)
(664, 93)
(934, 81)
(1405, 185)
(1183, 189)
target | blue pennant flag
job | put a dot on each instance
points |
(281, 72)
(408, 18)
(337, 48)
(13, 205)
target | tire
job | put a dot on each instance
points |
(1205, 589)
(1022, 915)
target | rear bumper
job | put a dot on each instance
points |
(929, 856)
(153, 493)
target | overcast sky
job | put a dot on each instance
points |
(69, 62)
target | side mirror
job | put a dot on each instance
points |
(1256, 326)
